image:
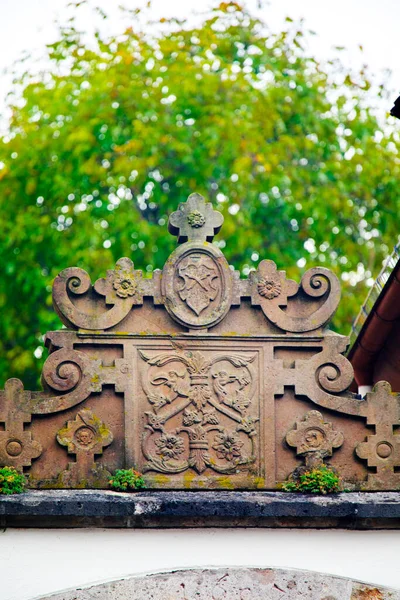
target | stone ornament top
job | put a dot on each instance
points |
(195, 221)
(198, 378)
(196, 286)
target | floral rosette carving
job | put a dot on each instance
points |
(196, 219)
(204, 397)
(269, 288)
(169, 446)
(227, 445)
(124, 284)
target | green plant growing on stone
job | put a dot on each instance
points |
(11, 481)
(127, 480)
(319, 480)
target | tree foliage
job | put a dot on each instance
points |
(115, 132)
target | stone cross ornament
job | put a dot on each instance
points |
(195, 220)
(314, 439)
(197, 377)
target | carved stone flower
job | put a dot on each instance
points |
(154, 421)
(196, 219)
(227, 445)
(190, 417)
(124, 284)
(269, 288)
(199, 395)
(169, 446)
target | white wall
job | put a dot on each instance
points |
(35, 562)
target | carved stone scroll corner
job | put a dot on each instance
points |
(120, 289)
(270, 289)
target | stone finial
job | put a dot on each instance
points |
(314, 439)
(195, 220)
(17, 448)
(85, 436)
(382, 450)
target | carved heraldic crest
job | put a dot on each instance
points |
(199, 378)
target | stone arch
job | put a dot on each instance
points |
(233, 584)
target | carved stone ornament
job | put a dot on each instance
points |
(314, 439)
(121, 288)
(271, 290)
(198, 373)
(17, 448)
(197, 285)
(211, 396)
(85, 436)
(195, 221)
(382, 449)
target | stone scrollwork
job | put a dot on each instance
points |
(210, 396)
(198, 372)
(70, 372)
(121, 288)
(271, 290)
(326, 377)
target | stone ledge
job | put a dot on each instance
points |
(182, 509)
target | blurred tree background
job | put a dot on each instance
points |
(106, 142)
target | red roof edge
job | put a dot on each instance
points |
(377, 326)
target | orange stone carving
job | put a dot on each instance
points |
(314, 439)
(85, 436)
(382, 449)
(207, 397)
(197, 377)
(17, 448)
